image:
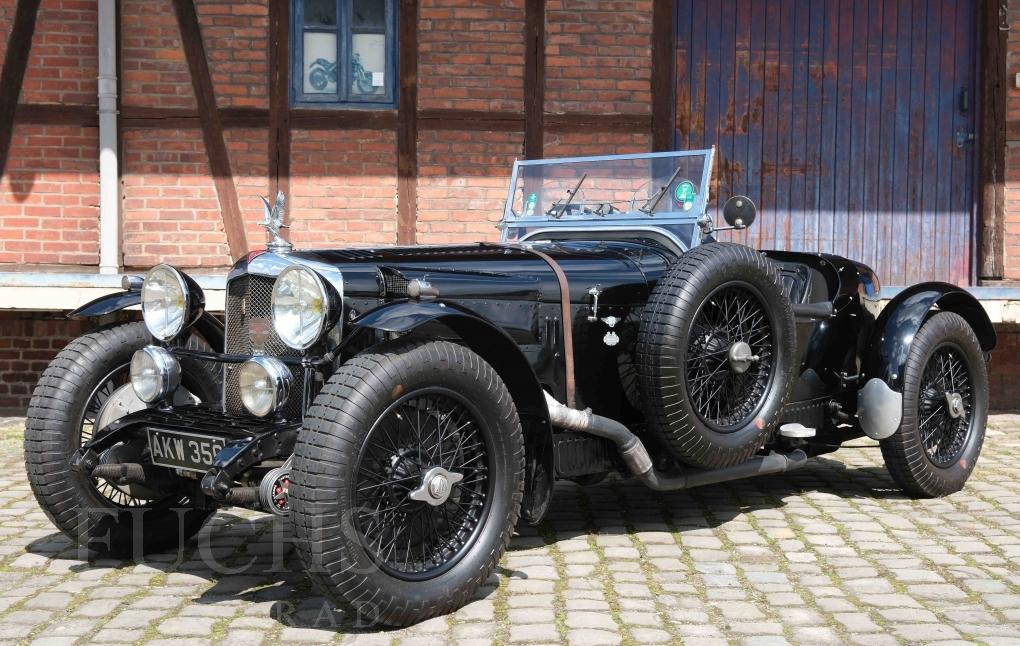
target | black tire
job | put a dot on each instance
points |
(932, 453)
(334, 450)
(53, 431)
(676, 366)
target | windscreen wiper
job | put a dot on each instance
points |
(652, 202)
(570, 198)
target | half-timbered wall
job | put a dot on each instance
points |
(483, 83)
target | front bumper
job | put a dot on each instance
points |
(249, 440)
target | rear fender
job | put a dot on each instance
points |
(503, 354)
(880, 399)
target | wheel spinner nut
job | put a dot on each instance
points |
(439, 486)
(436, 486)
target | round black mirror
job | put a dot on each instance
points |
(739, 212)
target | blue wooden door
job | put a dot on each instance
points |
(848, 121)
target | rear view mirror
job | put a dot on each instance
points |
(739, 212)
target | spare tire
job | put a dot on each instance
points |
(716, 354)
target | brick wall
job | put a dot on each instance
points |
(471, 55)
(62, 64)
(1011, 241)
(170, 212)
(154, 72)
(462, 183)
(236, 37)
(28, 341)
(598, 55)
(343, 187)
(49, 197)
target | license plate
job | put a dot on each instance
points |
(180, 450)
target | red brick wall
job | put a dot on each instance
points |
(471, 55)
(1004, 386)
(170, 212)
(49, 197)
(236, 37)
(154, 70)
(62, 64)
(1011, 242)
(462, 183)
(598, 56)
(28, 341)
(343, 187)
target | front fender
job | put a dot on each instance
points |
(483, 337)
(494, 345)
(107, 305)
(207, 325)
(879, 405)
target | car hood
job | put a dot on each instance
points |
(622, 271)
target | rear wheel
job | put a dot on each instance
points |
(945, 409)
(407, 480)
(71, 402)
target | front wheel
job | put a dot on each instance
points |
(407, 480)
(945, 409)
(69, 405)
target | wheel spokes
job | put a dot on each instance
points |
(425, 435)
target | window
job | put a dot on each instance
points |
(344, 53)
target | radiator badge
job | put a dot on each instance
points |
(258, 334)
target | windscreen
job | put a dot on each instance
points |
(610, 188)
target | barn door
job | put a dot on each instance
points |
(849, 121)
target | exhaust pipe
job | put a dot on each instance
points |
(639, 463)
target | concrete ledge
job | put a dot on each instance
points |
(59, 291)
(65, 291)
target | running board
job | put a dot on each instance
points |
(640, 464)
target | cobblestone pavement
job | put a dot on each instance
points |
(828, 554)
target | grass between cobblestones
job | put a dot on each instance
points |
(831, 553)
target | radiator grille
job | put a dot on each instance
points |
(394, 285)
(249, 298)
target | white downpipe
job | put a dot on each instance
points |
(109, 183)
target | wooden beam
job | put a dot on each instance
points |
(135, 117)
(212, 127)
(534, 78)
(407, 123)
(992, 142)
(663, 74)
(450, 119)
(279, 96)
(13, 74)
(574, 122)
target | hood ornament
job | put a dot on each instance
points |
(273, 222)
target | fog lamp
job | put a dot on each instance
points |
(265, 384)
(155, 373)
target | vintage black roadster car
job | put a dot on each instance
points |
(405, 407)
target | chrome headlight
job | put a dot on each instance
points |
(166, 302)
(155, 374)
(300, 307)
(265, 384)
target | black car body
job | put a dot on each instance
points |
(557, 310)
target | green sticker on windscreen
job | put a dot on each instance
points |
(684, 194)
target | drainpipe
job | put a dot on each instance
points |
(109, 182)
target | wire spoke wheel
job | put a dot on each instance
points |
(422, 487)
(729, 357)
(945, 407)
(90, 416)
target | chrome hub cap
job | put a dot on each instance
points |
(954, 405)
(436, 485)
(740, 357)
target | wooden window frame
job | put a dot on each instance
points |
(345, 35)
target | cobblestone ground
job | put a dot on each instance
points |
(828, 554)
